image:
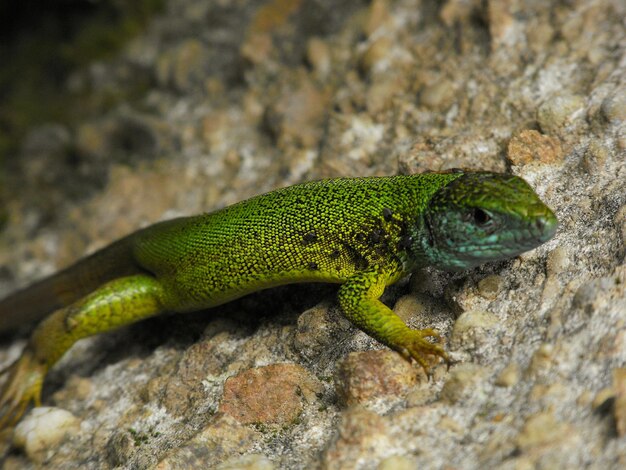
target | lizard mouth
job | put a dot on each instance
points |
(545, 227)
(451, 244)
(511, 242)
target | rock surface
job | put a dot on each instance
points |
(246, 97)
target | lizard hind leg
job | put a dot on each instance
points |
(117, 303)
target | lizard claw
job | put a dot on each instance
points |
(418, 344)
(21, 387)
(431, 333)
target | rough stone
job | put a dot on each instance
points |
(44, 429)
(215, 102)
(370, 375)
(274, 394)
(613, 107)
(317, 329)
(462, 382)
(532, 147)
(222, 440)
(362, 437)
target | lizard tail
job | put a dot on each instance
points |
(34, 302)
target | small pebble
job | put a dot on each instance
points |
(369, 375)
(613, 107)
(438, 96)
(470, 326)
(542, 359)
(559, 112)
(558, 261)
(376, 54)
(540, 430)
(531, 146)
(509, 376)
(490, 286)
(377, 15)
(43, 429)
(361, 435)
(595, 157)
(273, 394)
(462, 382)
(397, 462)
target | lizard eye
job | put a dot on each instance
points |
(481, 218)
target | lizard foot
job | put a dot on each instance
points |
(21, 387)
(417, 344)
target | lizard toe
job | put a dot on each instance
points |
(21, 388)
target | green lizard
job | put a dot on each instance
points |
(364, 233)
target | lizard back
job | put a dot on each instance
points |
(320, 231)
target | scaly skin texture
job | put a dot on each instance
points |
(364, 233)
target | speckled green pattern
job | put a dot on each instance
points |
(365, 233)
(322, 231)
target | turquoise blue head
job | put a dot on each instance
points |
(481, 217)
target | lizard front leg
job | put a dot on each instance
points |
(117, 303)
(358, 298)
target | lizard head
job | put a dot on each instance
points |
(481, 217)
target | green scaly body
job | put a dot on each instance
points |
(364, 233)
(324, 231)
